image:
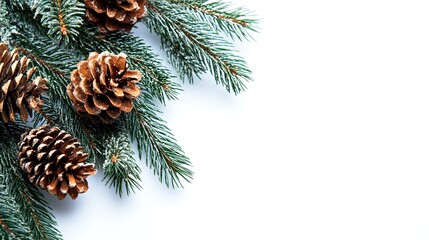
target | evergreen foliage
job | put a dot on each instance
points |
(197, 36)
(120, 169)
(23, 212)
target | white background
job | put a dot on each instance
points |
(331, 140)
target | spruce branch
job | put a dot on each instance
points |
(63, 18)
(11, 222)
(5, 26)
(120, 168)
(36, 211)
(18, 4)
(22, 208)
(155, 139)
(5, 232)
(4, 228)
(195, 48)
(235, 22)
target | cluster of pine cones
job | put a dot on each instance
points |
(101, 88)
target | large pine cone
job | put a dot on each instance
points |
(18, 94)
(55, 161)
(113, 15)
(102, 87)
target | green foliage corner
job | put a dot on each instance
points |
(197, 36)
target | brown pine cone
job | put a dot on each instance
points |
(55, 161)
(18, 94)
(113, 15)
(102, 87)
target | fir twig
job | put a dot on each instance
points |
(6, 228)
(163, 154)
(25, 212)
(120, 168)
(195, 48)
(5, 27)
(235, 22)
(63, 18)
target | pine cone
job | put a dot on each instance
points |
(18, 94)
(102, 87)
(113, 15)
(55, 161)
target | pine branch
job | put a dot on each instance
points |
(163, 154)
(120, 168)
(63, 18)
(29, 218)
(5, 26)
(235, 22)
(11, 221)
(18, 4)
(5, 233)
(34, 208)
(195, 48)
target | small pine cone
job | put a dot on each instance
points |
(113, 15)
(18, 94)
(102, 87)
(55, 161)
